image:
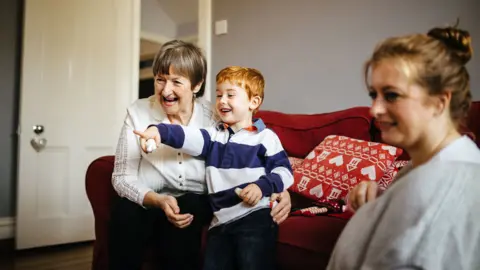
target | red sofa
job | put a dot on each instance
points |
(303, 242)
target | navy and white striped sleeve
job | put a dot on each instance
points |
(278, 170)
(192, 141)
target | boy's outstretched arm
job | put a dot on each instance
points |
(192, 141)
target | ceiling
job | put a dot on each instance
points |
(180, 11)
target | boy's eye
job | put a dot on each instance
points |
(178, 82)
(231, 95)
(372, 94)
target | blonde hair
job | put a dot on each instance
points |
(435, 61)
(248, 78)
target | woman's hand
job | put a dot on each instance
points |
(282, 209)
(170, 207)
(149, 133)
(365, 191)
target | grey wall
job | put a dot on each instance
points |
(312, 51)
(10, 47)
(154, 20)
(187, 29)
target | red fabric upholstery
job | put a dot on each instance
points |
(472, 123)
(300, 133)
(304, 242)
(100, 194)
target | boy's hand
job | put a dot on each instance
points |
(251, 194)
(150, 133)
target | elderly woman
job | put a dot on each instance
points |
(429, 217)
(164, 194)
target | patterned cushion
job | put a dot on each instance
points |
(295, 162)
(391, 172)
(338, 163)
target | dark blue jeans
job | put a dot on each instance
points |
(245, 244)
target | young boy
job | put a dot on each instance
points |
(245, 164)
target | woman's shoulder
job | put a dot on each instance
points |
(458, 160)
(437, 182)
(462, 150)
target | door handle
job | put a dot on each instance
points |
(38, 129)
(37, 142)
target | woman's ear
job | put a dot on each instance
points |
(255, 102)
(442, 102)
(197, 87)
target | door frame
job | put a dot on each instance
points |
(136, 25)
(205, 40)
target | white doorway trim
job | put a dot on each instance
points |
(205, 39)
(136, 25)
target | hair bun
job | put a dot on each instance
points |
(457, 40)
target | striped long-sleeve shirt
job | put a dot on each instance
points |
(251, 155)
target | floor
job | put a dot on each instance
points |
(73, 257)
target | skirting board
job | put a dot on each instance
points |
(7, 227)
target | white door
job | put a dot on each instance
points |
(79, 73)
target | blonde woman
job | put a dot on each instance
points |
(429, 217)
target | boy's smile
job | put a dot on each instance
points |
(233, 105)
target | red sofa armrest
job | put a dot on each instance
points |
(100, 193)
(99, 187)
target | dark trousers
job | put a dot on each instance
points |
(246, 244)
(132, 227)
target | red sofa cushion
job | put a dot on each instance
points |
(472, 122)
(338, 164)
(306, 242)
(300, 133)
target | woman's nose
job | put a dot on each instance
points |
(168, 88)
(377, 108)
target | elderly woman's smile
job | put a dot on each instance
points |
(175, 92)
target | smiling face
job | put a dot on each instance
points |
(234, 106)
(402, 110)
(174, 92)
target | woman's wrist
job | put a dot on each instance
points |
(151, 199)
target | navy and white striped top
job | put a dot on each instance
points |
(251, 155)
